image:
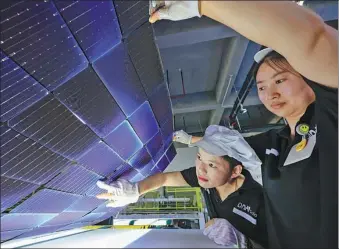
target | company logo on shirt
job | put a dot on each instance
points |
(247, 209)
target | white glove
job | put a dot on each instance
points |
(176, 10)
(182, 137)
(120, 193)
(223, 233)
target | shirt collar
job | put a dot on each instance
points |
(306, 118)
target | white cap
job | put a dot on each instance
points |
(259, 56)
(222, 141)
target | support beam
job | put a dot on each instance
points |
(230, 65)
(249, 101)
(328, 10)
(195, 102)
(190, 31)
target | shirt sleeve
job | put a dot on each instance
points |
(190, 177)
(259, 144)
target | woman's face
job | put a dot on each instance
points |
(283, 93)
(212, 171)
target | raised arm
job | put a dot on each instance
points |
(170, 179)
(122, 192)
(297, 33)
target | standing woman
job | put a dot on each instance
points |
(297, 79)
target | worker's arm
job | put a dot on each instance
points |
(297, 33)
(170, 179)
(122, 192)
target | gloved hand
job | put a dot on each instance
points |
(182, 137)
(176, 10)
(120, 193)
(223, 233)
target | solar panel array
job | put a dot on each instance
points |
(83, 98)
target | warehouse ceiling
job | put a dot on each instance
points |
(206, 65)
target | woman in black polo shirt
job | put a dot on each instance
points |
(297, 81)
(234, 199)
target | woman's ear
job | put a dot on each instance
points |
(236, 171)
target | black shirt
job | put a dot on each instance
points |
(301, 198)
(244, 208)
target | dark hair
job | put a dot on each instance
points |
(232, 161)
(275, 61)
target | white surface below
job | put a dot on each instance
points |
(134, 238)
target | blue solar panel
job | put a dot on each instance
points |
(74, 179)
(137, 178)
(162, 163)
(124, 141)
(131, 14)
(12, 234)
(171, 152)
(85, 204)
(117, 72)
(145, 57)
(18, 89)
(101, 159)
(64, 218)
(46, 201)
(161, 104)
(129, 174)
(155, 146)
(93, 23)
(144, 123)
(91, 217)
(24, 159)
(142, 162)
(35, 36)
(167, 132)
(51, 124)
(87, 97)
(44, 230)
(13, 191)
(119, 171)
(11, 222)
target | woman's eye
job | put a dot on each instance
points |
(261, 88)
(280, 81)
(199, 158)
(211, 165)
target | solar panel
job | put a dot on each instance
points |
(24, 159)
(91, 217)
(117, 72)
(87, 97)
(161, 104)
(44, 230)
(145, 57)
(129, 174)
(85, 204)
(64, 218)
(171, 152)
(4, 236)
(119, 171)
(167, 132)
(93, 23)
(137, 178)
(101, 159)
(124, 141)
(155, 147)
(142, 162)
(75, 225)
(13, 191)
(75, 179)
(10, 222)
(46, 201)
(144, 123)
(35, 36)
(51, 124)
(18, 89)
(131, 14)
(162, 163)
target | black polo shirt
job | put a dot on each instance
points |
(244, 208)
(301, 198)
